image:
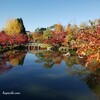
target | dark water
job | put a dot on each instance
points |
(45, 75)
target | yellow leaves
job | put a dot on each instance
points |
(83, 25)
(71, 29)
(67, 39)
(47, 34)
(57, 60)
(37, 37)
(59, 28)
(68, 29)
(93, 58)
(14, 61)
(13, 27)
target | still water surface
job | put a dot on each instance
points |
(46, 75)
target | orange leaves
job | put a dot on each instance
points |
(88, 44)
(58, 28)
(93, 61)
(93, 57)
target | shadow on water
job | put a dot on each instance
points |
(48, 62)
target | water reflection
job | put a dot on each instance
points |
(93, 82)
(74, 66)
(10, 59)
(49, 58)
(90, 78)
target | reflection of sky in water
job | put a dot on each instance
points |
(33, 80)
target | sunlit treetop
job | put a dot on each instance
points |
(14, 26)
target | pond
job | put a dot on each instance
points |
(47, 75)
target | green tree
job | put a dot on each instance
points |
(51, 27)
(47, 34)
(40, 30)
(20, 21)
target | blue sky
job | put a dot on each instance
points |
(43, 13)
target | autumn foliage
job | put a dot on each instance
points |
(6, 39)
(14, 26)
(85, 39)
(88, 44)
(57, 39)
(14, 57)
(13, 33)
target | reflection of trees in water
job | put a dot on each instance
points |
(47, 63)
(77, 70)
(74, 67)
(92, 79)
(49, 58)
(70, 61)
(10, 59)
(46, 59)
(93, 82)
